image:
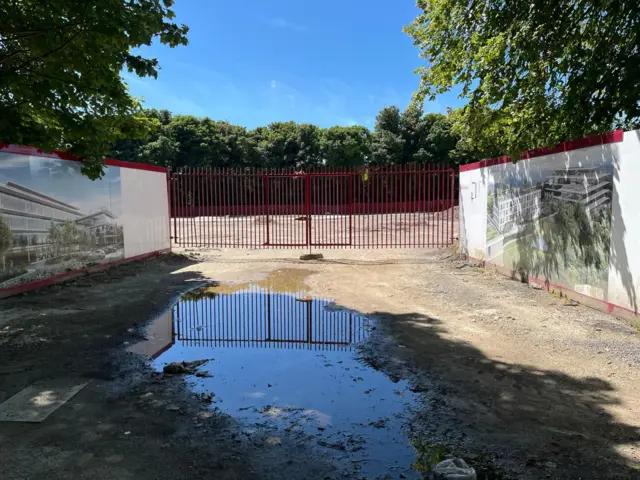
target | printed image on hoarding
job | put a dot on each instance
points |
(54, 220)
(552, 221)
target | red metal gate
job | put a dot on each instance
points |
(362, 207)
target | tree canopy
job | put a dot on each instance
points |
(398, 138)
(534, 72)
(60, 66)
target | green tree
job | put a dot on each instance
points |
(278, 145)
(60, 65)
(388, 146)
(413, 137)
(469, 147)
(534, 73)
(399, 137)
(346, 146)
(6, 236)
(156, 148)
(309, 145)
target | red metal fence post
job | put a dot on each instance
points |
(453, 203)
(308, 207)
(396, 206)
(266, 203)
(169, 201)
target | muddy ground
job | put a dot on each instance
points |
(503, 374)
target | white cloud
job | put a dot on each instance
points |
(274, 84)
(278, 22)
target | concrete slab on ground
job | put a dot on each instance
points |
(39, 400)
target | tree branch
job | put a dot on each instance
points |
(18, 35)
(64, 44)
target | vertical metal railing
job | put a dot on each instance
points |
(403, 206)
(260, 318)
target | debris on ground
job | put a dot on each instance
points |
(179, 368)
(312, 256)
(454, 469)
(380, 423)
(349, 444)
(207, 397)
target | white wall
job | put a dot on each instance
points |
(145, 215)
(624, 257)
(621, 283)
(473, 212)
(56, 220)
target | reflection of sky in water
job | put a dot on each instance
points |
(62, 180)
(292, 364)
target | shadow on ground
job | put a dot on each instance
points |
(535, 423)
(129, 421)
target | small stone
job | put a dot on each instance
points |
(172, 408)
(550, 465)
(312, 256)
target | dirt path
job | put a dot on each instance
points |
(505, 374)
(510, 372)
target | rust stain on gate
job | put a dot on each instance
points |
(357, 207)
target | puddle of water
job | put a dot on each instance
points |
(284, 280)
(289, 361)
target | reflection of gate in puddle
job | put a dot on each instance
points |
(260, 318)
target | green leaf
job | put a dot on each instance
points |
(60, 64)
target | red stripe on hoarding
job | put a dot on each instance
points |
(490, 162)
(594, 140)
(610, 137)
(112, 162)
(47, 282)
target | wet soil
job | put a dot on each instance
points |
(130, 421)
(321, 370)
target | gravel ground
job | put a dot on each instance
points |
(542, 387)
(505, 375)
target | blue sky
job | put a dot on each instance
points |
(252, 62)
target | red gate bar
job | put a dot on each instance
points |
(375, 206)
